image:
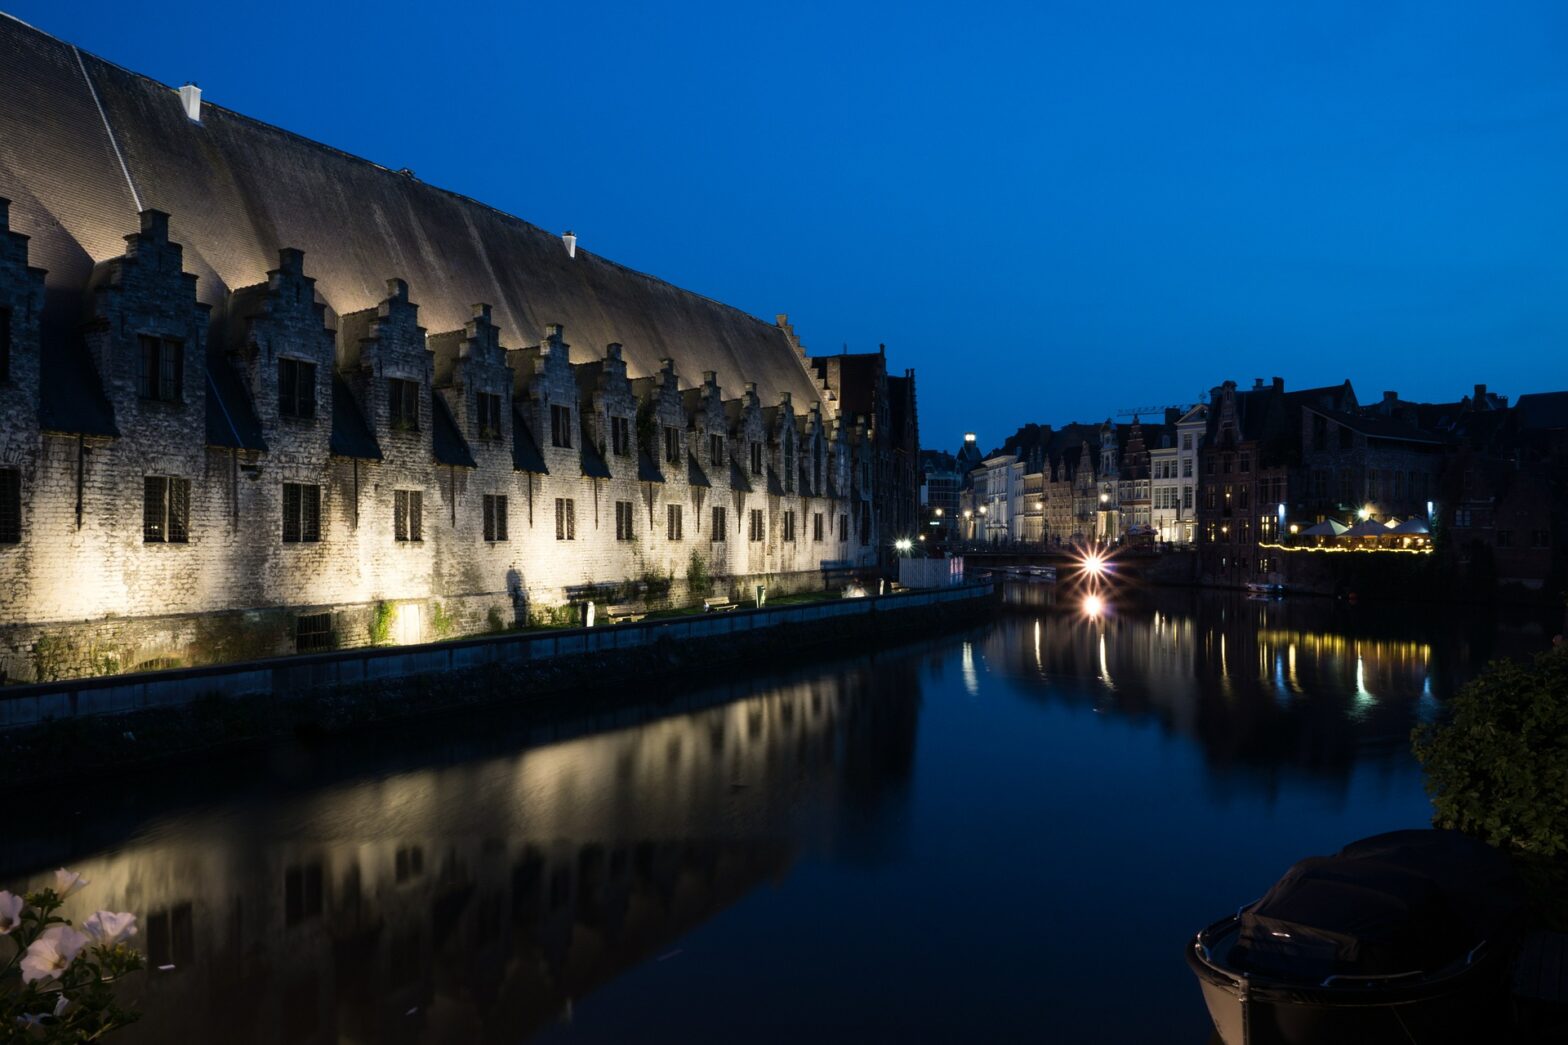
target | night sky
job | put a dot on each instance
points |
(1053, 212)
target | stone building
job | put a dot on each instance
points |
(349, 406)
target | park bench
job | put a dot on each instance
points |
(626, 611)
(718, 605)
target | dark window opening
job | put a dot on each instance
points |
(716, 535)
(672, 444)
(171, 939)
(5, 345)
(10, 506)
(166, 510)
(488, 405)
(673, 518)
(161, 372)
(623, 521)
(301, 893)
(296, 388)
(756, 458)
(403, 404)
(495, 517)
(620, 436)
(313, 632)
(301, 513)
(561, 426)
(565, 519)
(715, 449)
(408, 522)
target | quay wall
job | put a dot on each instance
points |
(498, 668)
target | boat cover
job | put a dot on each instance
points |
(1401, 902)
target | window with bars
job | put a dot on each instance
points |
(565, 519)
(621, 436)
(623, 521)
(10, 506)
(672, 514)
(757, 530)
(166, 510)
(488, 405)
(756, 458)
(161, 371)
(816, 526)
(789, 526)
(296, 388)
(672, 444)
(301, 513)
(312, 632)
(495, 517)
(715, 449)
(403, 404)
(5, 345)
(561, 426)
(408, 510)
(716, 534)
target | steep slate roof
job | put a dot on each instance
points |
(238, 190)
(448, 443)
(1543, 409)
(351, 436)
(231, 419)
(525, 452)
(694, 473)
(593, 462)
(1378, 427)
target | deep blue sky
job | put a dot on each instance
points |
(1051, 211)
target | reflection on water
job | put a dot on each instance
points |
(942, 841)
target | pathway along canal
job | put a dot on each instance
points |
(1003, 835)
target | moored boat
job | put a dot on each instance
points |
(1402, 937)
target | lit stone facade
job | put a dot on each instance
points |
(272, 489)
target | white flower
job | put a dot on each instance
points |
(52, 953)
(67, 882)
(108, 928)
(61, 1005)
(10, 911)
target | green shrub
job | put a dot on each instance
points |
(699, 581)
(494, 620)
(441, 621)
(381, 623)
(1497, 766)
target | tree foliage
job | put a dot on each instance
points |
(1497, 767)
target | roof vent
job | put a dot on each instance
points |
(570, 239)
(190, 98)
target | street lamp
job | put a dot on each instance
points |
(903, 544)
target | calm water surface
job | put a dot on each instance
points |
(1002, 835)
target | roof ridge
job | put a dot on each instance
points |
(508, 215)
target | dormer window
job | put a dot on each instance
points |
(488, 406)
(561, 426)
(789, 463)
(756, 458)
(715, 449)
(403, 404)
(672, 444)
(5, 345)
(161, 371)
(296, 388)
(620, 436)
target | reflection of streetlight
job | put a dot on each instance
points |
(1365, 512)
(1093, 605)
(1294, 529)
(1095, 565)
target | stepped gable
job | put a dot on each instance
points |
(238, 190)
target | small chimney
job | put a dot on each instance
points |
(1390, 400)
(1257, 384)
(570, 239)
(1480, 395)
(190, 98)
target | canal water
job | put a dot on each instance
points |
(1007, 834)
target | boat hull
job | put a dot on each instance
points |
(1464, 1005)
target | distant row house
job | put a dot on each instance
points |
(1240, 477)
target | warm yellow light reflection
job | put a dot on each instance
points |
(1093, 605)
